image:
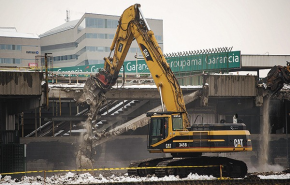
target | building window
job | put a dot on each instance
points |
(16, 61)
(101, 23)
(95, 23)
(7, 60)
(107, 49)
(94, 36)
(91, 35)
(111, 23)
(111, 36)
(18, 47)
(10, 47)
(101, 49)
(158, 37)
(91, 48)
(101, 36)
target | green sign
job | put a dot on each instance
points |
(200, 62)
(205, 62)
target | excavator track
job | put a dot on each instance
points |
(145, 163)
(215, 166)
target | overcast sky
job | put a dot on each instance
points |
(251, 26)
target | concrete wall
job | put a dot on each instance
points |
(59, 153)
(231, 85)
(20, 83)
(264, 61)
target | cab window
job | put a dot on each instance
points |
(158, 129)
(177, 123)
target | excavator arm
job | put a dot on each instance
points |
(132, 25)
(277, 76)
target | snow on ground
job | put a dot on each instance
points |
(87, 178)
(281, 176)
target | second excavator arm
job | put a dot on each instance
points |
(277, 76)
(133, 25)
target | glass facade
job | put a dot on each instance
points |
(10, 47)
(90, 22)
(84, 42)
(105, 36)
(95, 36)
(10, 61)
(112, 23)
(65, 57)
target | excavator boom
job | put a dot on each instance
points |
(132, 25)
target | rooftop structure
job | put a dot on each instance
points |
(18, 49)
(87, 41)
(12, 32)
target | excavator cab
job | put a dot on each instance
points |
(158, 128)
(161, 125)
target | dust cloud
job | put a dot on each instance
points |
(263, 164)
(264, 137)
(95, 99)
(94, 96)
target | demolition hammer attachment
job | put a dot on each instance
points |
(277, 76)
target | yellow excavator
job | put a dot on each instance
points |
(170, 130)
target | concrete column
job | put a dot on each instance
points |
(40, 117)
(70, 126)
(53, 121)
(22, 124)
(35, 122)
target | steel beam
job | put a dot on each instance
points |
(66, 118)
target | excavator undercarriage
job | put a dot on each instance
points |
(202, 165)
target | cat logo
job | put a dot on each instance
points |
(146, 53)
(238, 143)
(120, 48)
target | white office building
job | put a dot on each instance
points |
(18, 49)
(87, 41)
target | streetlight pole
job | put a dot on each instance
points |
(136, 56)
(287, 142)
(46, 79)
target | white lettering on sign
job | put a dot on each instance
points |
(132, 67)
(238, 142)
(94, 69)
(168, 145)
(32, 52)
(72, 71)
(211, 59)
(182, 144)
